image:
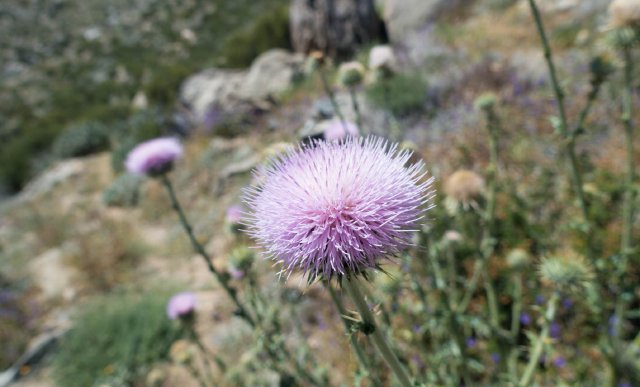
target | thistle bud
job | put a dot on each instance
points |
(485, 101)
(240, 261)
(569, 272)
(518, 259)
(351, 74)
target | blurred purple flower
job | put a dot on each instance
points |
(181, 305)
(613, 322)
(554, 330)
(337, 208)
(559, 362)
(495, 357)
(525, 318)
(154, 157)
(234, 214)
(471, 342)
(539, 299)
(339, 130)
(567, 303)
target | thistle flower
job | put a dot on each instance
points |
(337, 130)
(382, 60)
(351, 74)
(181, 305)
(525, 318)
(338, 208)
(624, 13)
(463, 188)
(154, 157)
(569, 272)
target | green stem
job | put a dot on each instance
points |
(627, 111)
(377, 336)
(197, 246)
(348, 324)
(231, 292)
(515, 326)
(332, 97)
(356, 109)
(563, 127)
(538, 345)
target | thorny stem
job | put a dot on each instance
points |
(376, 335)
(197, 246)
(538, 344)
(626, 242)
(348, 324)
(563, 127)
(231, 292)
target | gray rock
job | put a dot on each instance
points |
(404, 17)
(335, 27)
(214, 93)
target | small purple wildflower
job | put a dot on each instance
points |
(567, 303)
(559, 362)
(337, 208)
(181, 305)
(554, 330)
(525, 318)
(624, 384)
(339, 130)
(154, 157)
(539, 299)
(495, 357)
(471, 342)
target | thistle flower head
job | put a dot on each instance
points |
(336, 209)
(154, 157)
(624, 13)
(351, 74)
(463, 188)
(485, 101)
(568, 272)
(181, 305)
(338, 130)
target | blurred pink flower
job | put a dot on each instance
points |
(181, 305)
(234, 214)
(338, 130)
(337, 208)
(154, 157)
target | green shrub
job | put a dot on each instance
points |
(123, 192)
(81, 140)
(270, 30)
(402, 94)
(115, 339)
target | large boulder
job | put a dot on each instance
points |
(213, 94)
(405, 17)
(335, 27)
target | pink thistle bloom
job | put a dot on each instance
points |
(154, 157)
(234, 214)
(338, 130)
(338, 208)
(181, 305)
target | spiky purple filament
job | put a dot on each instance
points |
(338, 208)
